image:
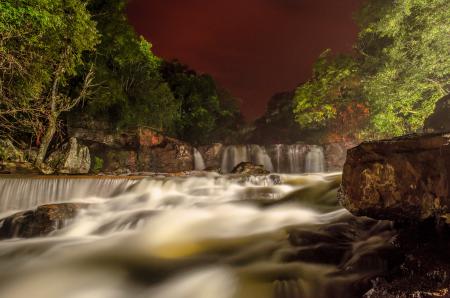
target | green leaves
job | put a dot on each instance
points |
(402, 66)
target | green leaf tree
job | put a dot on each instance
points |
(42, 43)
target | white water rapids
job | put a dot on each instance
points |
(196, 237)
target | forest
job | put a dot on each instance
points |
(82, 57)
(61, 58)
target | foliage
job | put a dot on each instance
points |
(131, 90)
(400, 70)
(406, 60)
(333, 86)
(41, 47)
(98, 164)
(203, 106)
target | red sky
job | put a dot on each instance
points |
(254, 48)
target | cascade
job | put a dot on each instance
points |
(235, 154)
(199, 162)
(315, 160)
(24, 193)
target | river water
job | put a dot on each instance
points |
(209, 236)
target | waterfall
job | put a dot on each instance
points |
(199, 163)
(315, 160)
(233, 155)
(289, 158)
(25, 193)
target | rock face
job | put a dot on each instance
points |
(72, 158)
(248, 168)
(141, 149)
(439, 121)
(406, 178)
(38, 222)
(335, 154)
(212, 155)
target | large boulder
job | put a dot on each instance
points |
(402, 179)
(41, 221)
(439, 121)
(72, 158)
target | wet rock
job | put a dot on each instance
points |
(72, 158)
(249, 168)
(212, 155)
(425, 270)
(402, 179)
(41, 221)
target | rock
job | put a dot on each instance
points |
(72, 158)
(249, 168)
(212, 155)
(402, 179)
(335, 154)
(38, 222)
(439, 121)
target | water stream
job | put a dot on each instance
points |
(194, 237)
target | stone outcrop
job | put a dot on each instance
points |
(212, 155)
(140, 149)
(72, 158)
(439, 121)
(406, 178)
(41, 221)
(248, 168)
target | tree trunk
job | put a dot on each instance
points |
(46, 140)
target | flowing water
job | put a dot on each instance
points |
(199, 163)
(296, 158)
(281, 236)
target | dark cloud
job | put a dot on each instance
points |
(254, 48)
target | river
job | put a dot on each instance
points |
(206, 236)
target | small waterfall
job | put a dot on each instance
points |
(199, 163)
(315, 160)
(25, 193)
(233, 155)
(289, 158)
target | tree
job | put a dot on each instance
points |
(41, 47)
(399, 71)
(405, 61)
(323, 101)
(130, 89)
(198, 98)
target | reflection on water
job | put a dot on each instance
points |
(203, 237)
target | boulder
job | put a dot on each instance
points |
(249, 168)
(439, 121)
(402, 179)
(72, 158)
(38, 222)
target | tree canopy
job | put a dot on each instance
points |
(401, 67)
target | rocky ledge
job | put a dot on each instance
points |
(406, 180)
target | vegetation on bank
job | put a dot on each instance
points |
(78, 56)
(389, 86)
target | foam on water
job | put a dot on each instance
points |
(195, 237)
